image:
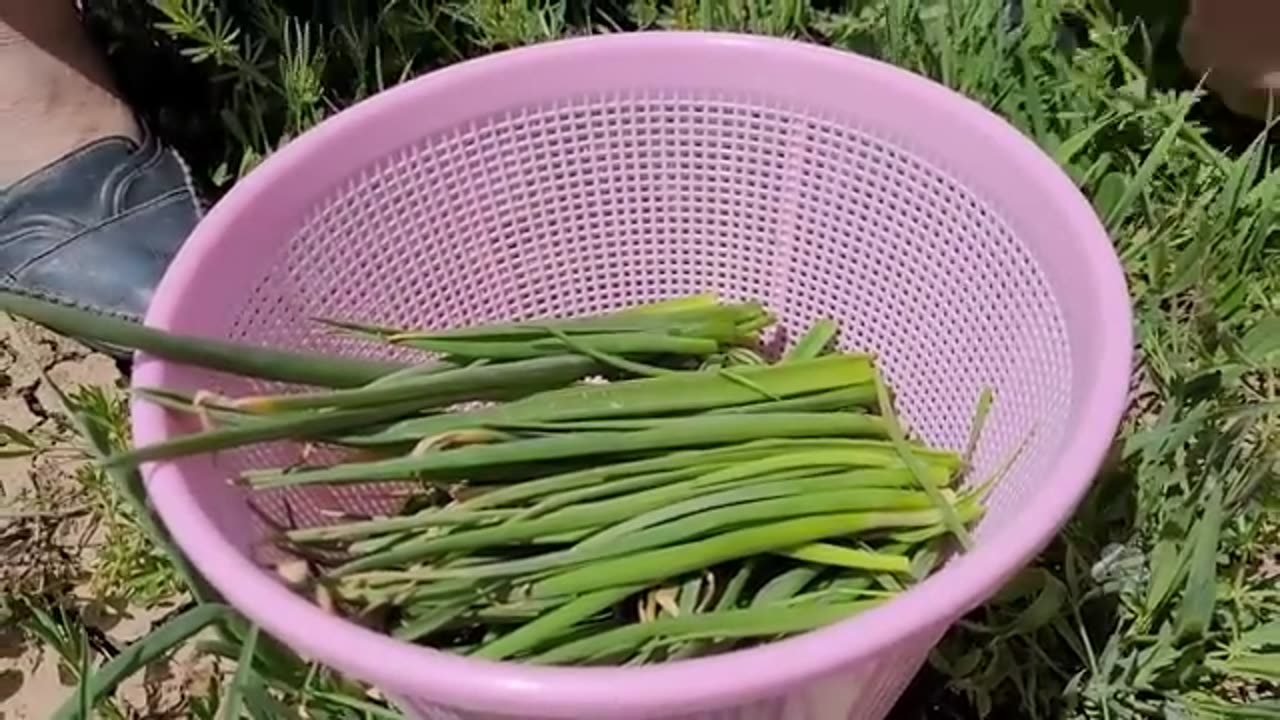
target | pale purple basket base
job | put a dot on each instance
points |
(839, 696)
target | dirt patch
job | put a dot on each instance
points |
(44, 526)
(48, 534)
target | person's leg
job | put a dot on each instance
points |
(92, 207)
(1237, 43)
(55, 94)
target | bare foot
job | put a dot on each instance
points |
(55, 93)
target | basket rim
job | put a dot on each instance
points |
(914, 618)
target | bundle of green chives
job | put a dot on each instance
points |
(636, 486)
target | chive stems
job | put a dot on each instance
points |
(636, 486)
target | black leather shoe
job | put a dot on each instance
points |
(97, 228)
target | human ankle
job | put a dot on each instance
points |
(54, 97)
(1236, 44)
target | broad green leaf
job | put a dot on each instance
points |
(1264, 667)
(1155, 660)
(1168, 566)
(1200, 593)
(1110, 192)
(84, 697)
(1241, 175)
(1097, 171)
(1261, 637)
(1262, 341)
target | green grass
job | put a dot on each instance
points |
(127, 565)
(1160, 598)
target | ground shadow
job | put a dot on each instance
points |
(10, 683)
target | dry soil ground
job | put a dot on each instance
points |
(49, 532)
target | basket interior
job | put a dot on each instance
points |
(603, 200)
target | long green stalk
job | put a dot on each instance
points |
(734, 321)
(567, 498)
(604, 480)
(728, 600)
(239, 358)
(730, 518)
(672, 561)
(899, 439)
(435, 517)
(785, 585)
(742, 623)
(879, 485)
(664, 488)
(628, 343)
(438, 388)
(676, 462)
(690, 432)
(533, 634)
(396, 401)
(604, 513)
(647, 397)
(814, 342)
(611, 488)
(430, 621)
(213, 409)
(290, 426)
(807, 454)
(748, 507)
(853, 558)
(863, 396)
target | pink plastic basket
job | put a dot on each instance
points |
(592, 173)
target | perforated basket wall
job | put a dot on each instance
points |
(819, 183)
